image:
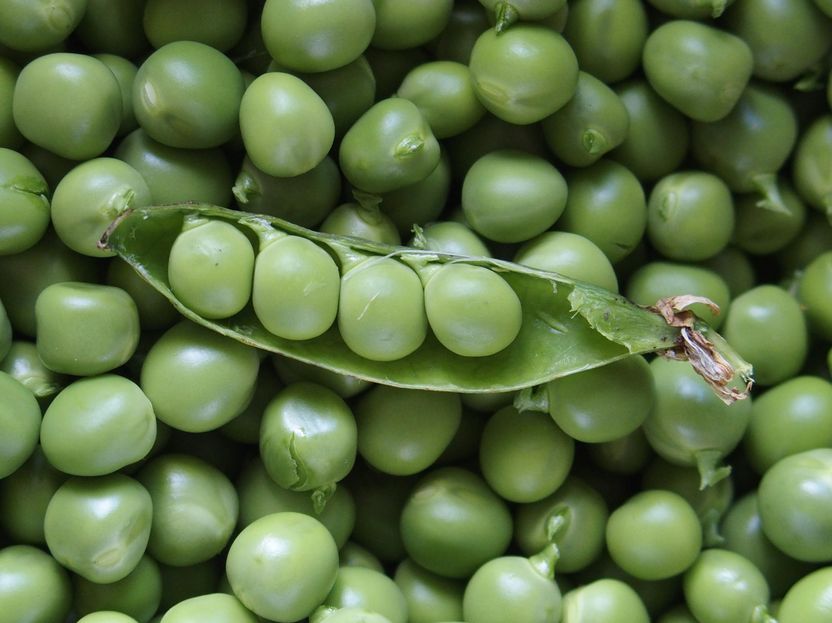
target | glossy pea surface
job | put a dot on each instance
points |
(812, 158)
(221, 25)
(210, 608)
(373, 591)
(429, 597)
(808, 601)
(814, 290)
(25, 211)
(137, 595)
(36, 26)
(603, 599)
(405, 24)
(20, 420)
(35, 587)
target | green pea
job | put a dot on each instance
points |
(381, 310)
(352, 554)
(467, 21)
(734, 267)
(471, 310)
(317, 37)
(761, 228)
(198, 380)
(113, 27)
(658, 280)
(357, 221)
(511, 196)
(595, 417)
(812, 159)
(444, 93)
(261, 496)
(220, 24)
(181, 583)
(451, 237)
(452, 523)
(286, 127)
(155, 311)
(523, 74)
(530, 439)
(84, 328)
(570, 255)
(607, 36)
(690, 215)
(606, 204)
(69, 104)
(10, 136)
(657, 141)
(90, 197)
(581, 514)
(592, 123)
(20, 421)
(698, 69)
(390, 146)
(282, 566)
(429, 597)
(245, 428)
(125, 73)
(308, 437)
(825, 6)
(174, 175)
(292, 370)
(24, 206)
(107, 616)
(808, 600)
(602, 600)
(36, 26)
(724, 587)
(99, 527)
(359, 587)
(689, 425)
(98, 425)
(404, 431)
(814, 292)
(626, 455)
(304, 199)
(679, 614)
(187, 94)
(194, 509)
(421, 202)
(328, 614)
(35, 587)
(403, 24)
(692, 9)
(389, 67)
(210, 608)
(137, 595)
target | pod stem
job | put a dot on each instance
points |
(546, 559)
(409, 146)
(711, 536)
(266, 234)
(594, 142)
(245, 187)
(532, 399)
(766, 185)
(506, 15)
(321, 495)
(717, 7)
(711, 470)
(761, 615)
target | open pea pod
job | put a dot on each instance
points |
(567, 326)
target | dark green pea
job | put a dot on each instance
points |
(525, 74)
(391, 66)
(99, 527)
(468, 19)
(606, 204)
(69, 104)
(198, 380)
(89, 198)
(429, 597)
(10, 136)
(293, 370)
(444, 93)
(594, 417)
(825, 6)
(125, 73)
(742, 531)
(471, 310)
(626, 455)
(580, 514)
(181, 583)
(814, 293)
(287, 128)
(187, 94)
(357, 221)
(390, 146)
(658, 280)
(692, 9)
(210, 608)
(308, 437)
(762, 227)
(113, 27)
(84, 328)
(261, 496)
(529, 439)
(35, 26)
(282, 566)
(194, 509)
(220, 23)
(767, 327)
(304, 199)
(155, 311)
(748, 146)
(734, 267)
(359, 587)
(403, 431)
(570, 255)
(689, 424)
(725, 587)
(174, 175)
(808, 600)
(592, 123)
(793, 497)
(137, 595)
(511, 196)
(690, 215)
(24, 203)
(698, 69)
(402, 24)
(96, 426)
(212, 447)
(35, 587)
(421, 202)
(657, 141)
(452, 523)
(20, 419)
(451, 237)
(381, 310)
(811, 163)
(767, 26)
(604, 600)
(607, 36)
(679, 614)
(352, 554)
(506, 13)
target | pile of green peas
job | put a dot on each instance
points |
(154, 470)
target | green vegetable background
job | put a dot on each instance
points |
(415, 311)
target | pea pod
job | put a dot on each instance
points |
(570, 326)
